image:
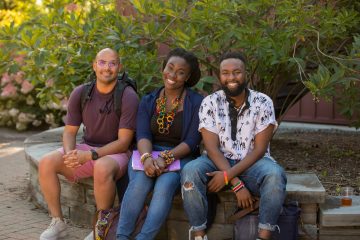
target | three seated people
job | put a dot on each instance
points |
(235, 124)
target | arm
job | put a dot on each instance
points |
(69, 137)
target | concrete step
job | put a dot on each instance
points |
(332, 214)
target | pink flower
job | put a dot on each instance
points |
(19, 77)
(49, 83)
(64, 104)
(71, 7)
(5, 79)
(20, 58)
(9, 90)
(26, 87)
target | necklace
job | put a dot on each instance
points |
(166, 119)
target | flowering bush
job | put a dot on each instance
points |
(19, 106)
(312, 45)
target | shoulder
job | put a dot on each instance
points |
(217, 97)
(76, 92)
(259, 98)
(194, 97)
(78, 89)
(151, 96)
(130, 92)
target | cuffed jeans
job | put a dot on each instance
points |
(164, 188)
(265, 178)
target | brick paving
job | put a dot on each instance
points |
(19, 217)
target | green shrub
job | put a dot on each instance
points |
(313, 44)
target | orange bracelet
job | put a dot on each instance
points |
(226, 178)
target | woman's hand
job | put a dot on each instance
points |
(160, 166)
(149, 167)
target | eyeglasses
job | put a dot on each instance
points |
(103, 63)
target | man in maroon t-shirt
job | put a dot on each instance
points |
(104, 152)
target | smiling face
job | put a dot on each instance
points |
(232, 76)
(176, 73)
(107, 66)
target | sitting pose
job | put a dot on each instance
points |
(236, 124)
(104, 152)
(167, 121)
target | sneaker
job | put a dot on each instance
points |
(56, 230)
(90, 236)
(201, 238)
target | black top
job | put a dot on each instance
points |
(173, 138)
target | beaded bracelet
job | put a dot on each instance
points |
(238, 186)
(167, 156)
(144, 157)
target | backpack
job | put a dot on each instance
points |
(122, 82)
(106, 222)
(246, 227)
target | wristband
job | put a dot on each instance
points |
(167, 156)
(144, 157)
(238, 186)
(226, 178)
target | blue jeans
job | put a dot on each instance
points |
(164, 188)
(265, 179)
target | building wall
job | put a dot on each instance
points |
(307, 110)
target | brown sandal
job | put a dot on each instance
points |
(244, 212)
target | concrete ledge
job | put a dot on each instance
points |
(78, 199)
(332, 214)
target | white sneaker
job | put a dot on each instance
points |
(56, 230)
(201, 238)
(90, 236)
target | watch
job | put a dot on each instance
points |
(94, 154)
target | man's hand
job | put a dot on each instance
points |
(71, 159)
(76, 158)
(244, 198)
(149, 167)
(217, 181)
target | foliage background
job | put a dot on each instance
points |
(292, 47)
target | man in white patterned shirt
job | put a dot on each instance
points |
(236, 124)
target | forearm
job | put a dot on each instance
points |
(217, 157)
(144, 146)
(181, 150)
(69, 141)
(117, 146)
(243, 165)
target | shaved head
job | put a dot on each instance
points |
(107, 50)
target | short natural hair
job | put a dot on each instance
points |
(191, 59)
(234, 54)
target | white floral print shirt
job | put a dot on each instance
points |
(214, 117)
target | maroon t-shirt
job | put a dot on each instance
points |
(100, 121)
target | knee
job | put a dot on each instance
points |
(103, 171)
(46, 165)
(189, 173)
(276, 178)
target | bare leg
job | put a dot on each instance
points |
(51, 165)
(264, 234)
(199, 233)
(106, 172)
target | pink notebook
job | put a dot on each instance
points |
(137, 165)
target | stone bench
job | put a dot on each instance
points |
(78, 199)
(339, 222)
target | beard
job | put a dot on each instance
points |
(233, 92)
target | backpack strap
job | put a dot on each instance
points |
(87, 90)
(123, 81)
